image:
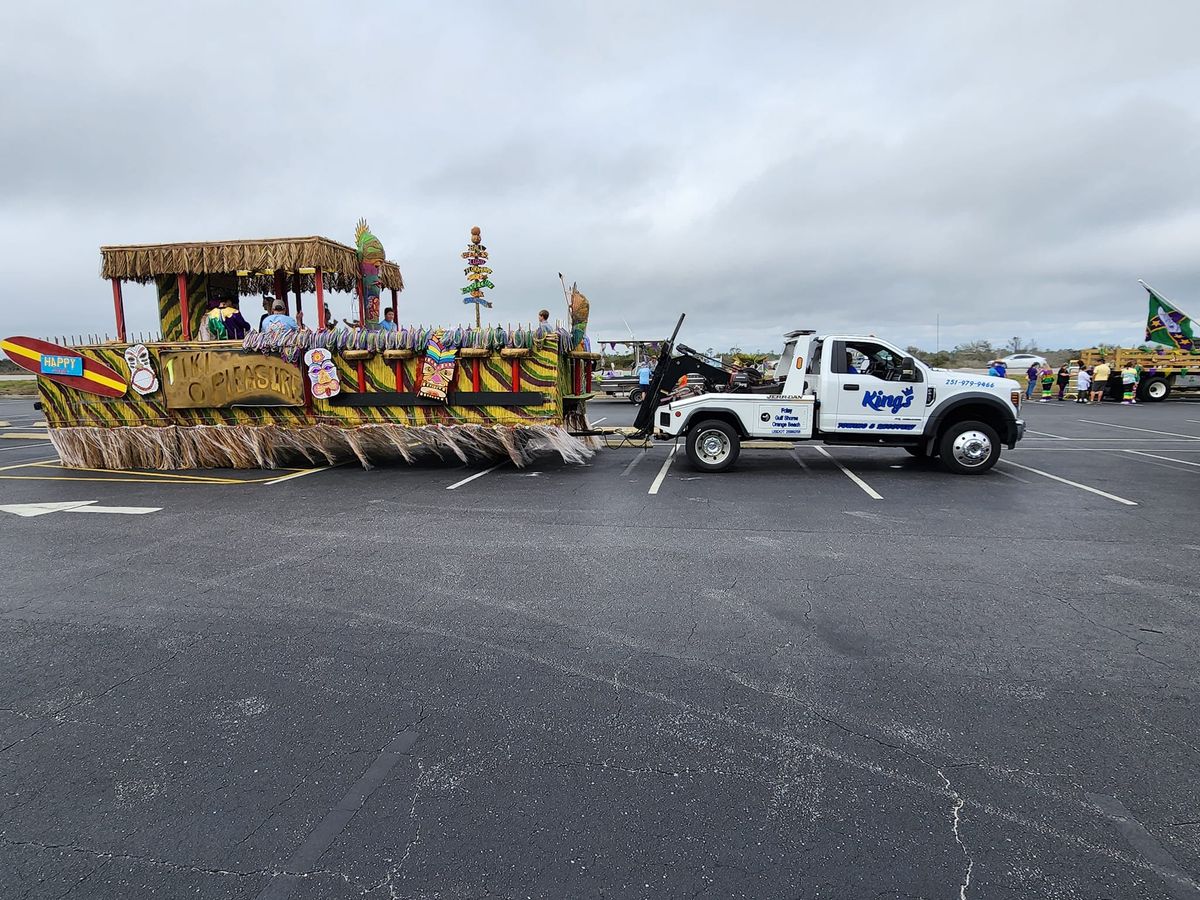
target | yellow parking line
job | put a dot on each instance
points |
(24, 435)
(25, 465)
(167, 475)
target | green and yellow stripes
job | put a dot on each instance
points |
(169, 316)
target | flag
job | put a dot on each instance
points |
(1167, 325)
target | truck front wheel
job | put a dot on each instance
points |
(713, 446)
(969, 448)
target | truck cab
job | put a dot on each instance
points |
(858, 390)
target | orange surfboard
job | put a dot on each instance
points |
(96, 377)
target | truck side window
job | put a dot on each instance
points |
(874, 360)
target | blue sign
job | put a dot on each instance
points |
(61, 365)
(878, 400)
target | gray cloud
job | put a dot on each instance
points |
(1009, 168)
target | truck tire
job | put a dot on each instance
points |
(713, 446)
(1155, 389)
(969, 448)
(637, 395)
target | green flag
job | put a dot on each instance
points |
(1167, 325)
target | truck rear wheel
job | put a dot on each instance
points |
(1155, 389)
(713, 446)
(637, 395)
(969, 448)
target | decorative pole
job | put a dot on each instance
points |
(477, 274)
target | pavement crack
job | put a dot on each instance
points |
(955, 813)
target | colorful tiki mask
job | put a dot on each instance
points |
(322, 373)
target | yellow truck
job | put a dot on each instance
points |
(1165, 371)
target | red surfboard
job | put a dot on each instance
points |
(97, 378)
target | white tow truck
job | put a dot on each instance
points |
(850, 389)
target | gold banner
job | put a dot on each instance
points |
(215, 379)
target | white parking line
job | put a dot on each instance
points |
(862, 484)
(471, 478)
(1182, 462)
(637, 459)
(662, 473)
(1147, 430)
(1082, 487)
(598, 421)
(1057, 437)
(23, 446)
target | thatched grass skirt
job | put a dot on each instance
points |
(269, 446)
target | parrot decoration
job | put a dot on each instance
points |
(579, 318)
(370, 261)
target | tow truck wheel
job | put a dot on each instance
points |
(636, 396)
(969, 448)
(713, 446)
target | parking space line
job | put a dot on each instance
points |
(471, 478)
(598, 421)
(1182, 462)
(1191, 437)
(40, 443)
(862, 484)
(1076, 484)
(23, 435)
(662, 473)
(1057, 437)
(25, 465)
(637, 459)
(169, 476)
(300, 474)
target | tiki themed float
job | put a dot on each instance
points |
(215, 390)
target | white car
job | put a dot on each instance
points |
(1019, 362)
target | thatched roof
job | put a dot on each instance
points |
(338, 263)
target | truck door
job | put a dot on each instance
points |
(864, 392)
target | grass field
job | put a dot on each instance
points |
(24, 388)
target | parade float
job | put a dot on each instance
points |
(200, 397)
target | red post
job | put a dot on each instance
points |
(575, 376)
(281, 288)
(516, 375)
(362, 376)
(320, 288)
(362, 303)
(399, 367)
(296, 290)
(185, 318)
(475, 375)
(590, 367)
(119, 308)
(420, 376)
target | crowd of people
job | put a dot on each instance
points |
(1091, 382)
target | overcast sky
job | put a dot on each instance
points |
(1012, 167)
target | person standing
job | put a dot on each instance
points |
(644, 378)
(1100, 376)
(1032, 375)
(543, 325)
(1063, 378)
(1083, 384)
(1129, 383)
(388, 322)
(1047, 384)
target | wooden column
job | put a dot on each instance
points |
(516, 375)
(320, 289)
(475, 375)
(297, 291)
(395, 311)
(119, 309)
(185, 317)
(281, 288)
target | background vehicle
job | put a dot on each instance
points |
(1019, 362)
(1164, 371)
(848, 389)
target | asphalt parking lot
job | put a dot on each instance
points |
(616, 680)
